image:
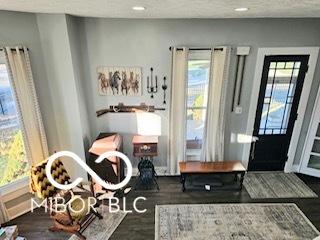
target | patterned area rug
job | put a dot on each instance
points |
(232, 221)
(276, 185)
(102, 229)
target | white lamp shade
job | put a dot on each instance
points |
(148, 124)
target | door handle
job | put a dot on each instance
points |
(253, 150)
(254, 139)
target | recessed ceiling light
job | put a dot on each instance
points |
(139, 8)
(241, 9)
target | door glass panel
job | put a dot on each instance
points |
(280, 89)
(316, 146)
(314, 162)
(318, 131)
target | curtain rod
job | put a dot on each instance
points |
(2, 48)
(201, 49)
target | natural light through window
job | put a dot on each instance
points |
(197, 95)
(282, 80)
(13, 162)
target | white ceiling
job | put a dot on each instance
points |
(169, 8)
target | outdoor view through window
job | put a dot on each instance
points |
(279, 94)
(13, 162)
(197, 95)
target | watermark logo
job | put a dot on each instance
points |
(77, 181)
(58, 204)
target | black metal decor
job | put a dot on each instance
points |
(164, 88)
(150, 87)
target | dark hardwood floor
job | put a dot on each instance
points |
(136, 226)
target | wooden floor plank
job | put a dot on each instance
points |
(136, 226)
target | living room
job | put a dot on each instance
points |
(181, 120)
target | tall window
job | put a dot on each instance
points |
(13, 162)
(197, 95)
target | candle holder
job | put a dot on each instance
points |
(150, 87)
(164, 88)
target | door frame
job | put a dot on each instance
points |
(308, 144)
(262, 53)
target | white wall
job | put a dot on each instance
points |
(21, 29)
(64, 93)
(145, 43)
(127, 48)
(77, 61)
(65, 52)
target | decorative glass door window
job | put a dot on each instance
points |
(280, 89)
(281, 86)
(13, 161)
(197, 95)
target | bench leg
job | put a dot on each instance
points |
(236, 177)
(241, 180)
(183, 182)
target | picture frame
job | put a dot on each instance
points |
(119, 81)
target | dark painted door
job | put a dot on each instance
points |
(279, 96)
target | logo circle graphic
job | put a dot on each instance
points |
(127, 161)
(84, 166)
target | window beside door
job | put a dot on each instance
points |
(13, 160)
(197, 95)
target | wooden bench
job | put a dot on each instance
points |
(198, 168)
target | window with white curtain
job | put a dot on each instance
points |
(196, 101)
(13, 160)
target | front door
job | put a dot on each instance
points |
(280, 91)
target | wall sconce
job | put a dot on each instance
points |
(150, 87)
(164, 88)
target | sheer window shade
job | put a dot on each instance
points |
(177, 133)
(20, 75)
(213, 142)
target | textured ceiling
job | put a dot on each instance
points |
(169, 8)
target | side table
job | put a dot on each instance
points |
(146, 147)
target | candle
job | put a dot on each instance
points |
(151, 77)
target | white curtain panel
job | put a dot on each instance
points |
(4, 216)
(177, 128)
(213, 140)
(20, 75)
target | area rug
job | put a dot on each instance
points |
(232, 222)
(276, 185)
(102, 229)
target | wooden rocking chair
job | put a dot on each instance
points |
(77, 213)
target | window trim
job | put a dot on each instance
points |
(13, 186)
(197, 108)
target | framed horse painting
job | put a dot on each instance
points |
(119, 81)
